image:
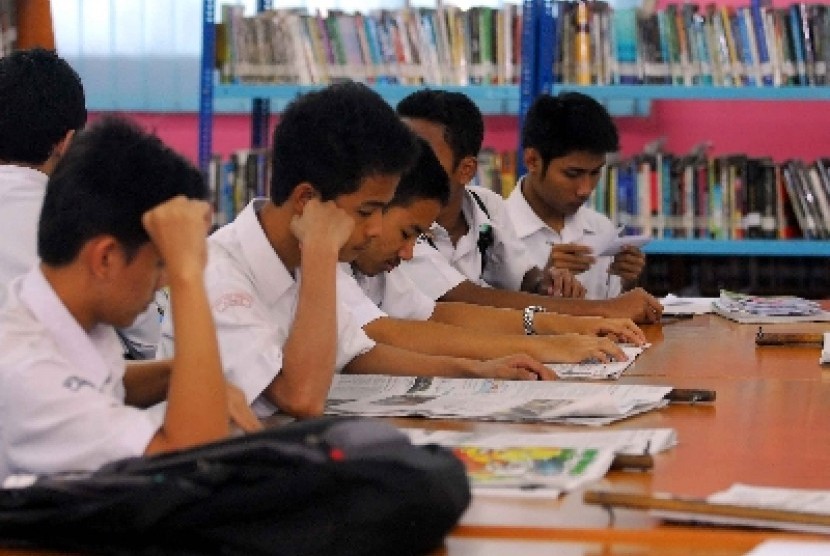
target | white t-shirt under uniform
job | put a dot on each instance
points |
(253, 298)
(61, 388)
(585, 226)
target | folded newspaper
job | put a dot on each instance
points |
(573, 403)
(597, 371)
(753, 309)
(540, 464)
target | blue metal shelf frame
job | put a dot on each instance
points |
(635, 100)
(496, 99)
(206, 83)
(739, 247)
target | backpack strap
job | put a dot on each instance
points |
(485, 231)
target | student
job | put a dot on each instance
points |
(391, 309)
(338, 154)
(42, 106)
(122, 215)
(472, 231)
(453, 126)
(566, 139)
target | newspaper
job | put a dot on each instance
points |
(802, 501)
(597, 371)
(628, 441)
(541, 464)
(748, 309)
(491, 400)
(674, 305)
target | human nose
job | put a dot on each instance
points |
(407, 251)
(374, 225)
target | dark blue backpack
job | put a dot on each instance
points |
(329, 487)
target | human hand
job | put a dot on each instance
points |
(571, 256)
(322, 223)
(617, 329)
(575, 348)
(561, 282)
(636, 305)
(628, 264)
(178, 228)
(512, 367)
(239, 410)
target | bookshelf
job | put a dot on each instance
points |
(262, 99)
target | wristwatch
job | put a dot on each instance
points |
(527, 318)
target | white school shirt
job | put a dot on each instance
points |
(506, 260)
(253, 298)
(61, 388)
(430, 271)
(21, 199)
(539, 238)
(386, 294)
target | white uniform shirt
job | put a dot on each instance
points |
(253, 297)
(21, 198)
(61, 388)
(506, 262)
(386, 294)
(586, 226)
(430, 271)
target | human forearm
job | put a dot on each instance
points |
(391, 360)
(146, 382)
(197, 403)
(309, 353)
(467, 292)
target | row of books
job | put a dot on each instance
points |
(662, 194)
(441, 46)
(725, 197)
(234, 182)
(8, 26)
(687, 44)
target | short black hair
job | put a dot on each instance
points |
(109, 177)
(426, 180)
(461, 118)
(569, 122)
(41, 100)
(334, 138)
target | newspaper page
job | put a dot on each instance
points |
(805, 501)
(541, 464)
(597, 371)
(629, 441)
(490, 399)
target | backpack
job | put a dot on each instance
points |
(328, 486)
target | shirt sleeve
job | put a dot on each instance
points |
(53, 420)
(351, 295)
(431, 272)
(507, 261)
(402, 299)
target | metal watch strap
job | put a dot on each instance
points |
(527, 318)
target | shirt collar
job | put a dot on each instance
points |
(527, 222)
(93, 351)
(271, 278)
(23, 174)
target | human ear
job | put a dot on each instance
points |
(103, 255)
(302, 194)
(533, 160)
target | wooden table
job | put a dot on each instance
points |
(769, 426)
